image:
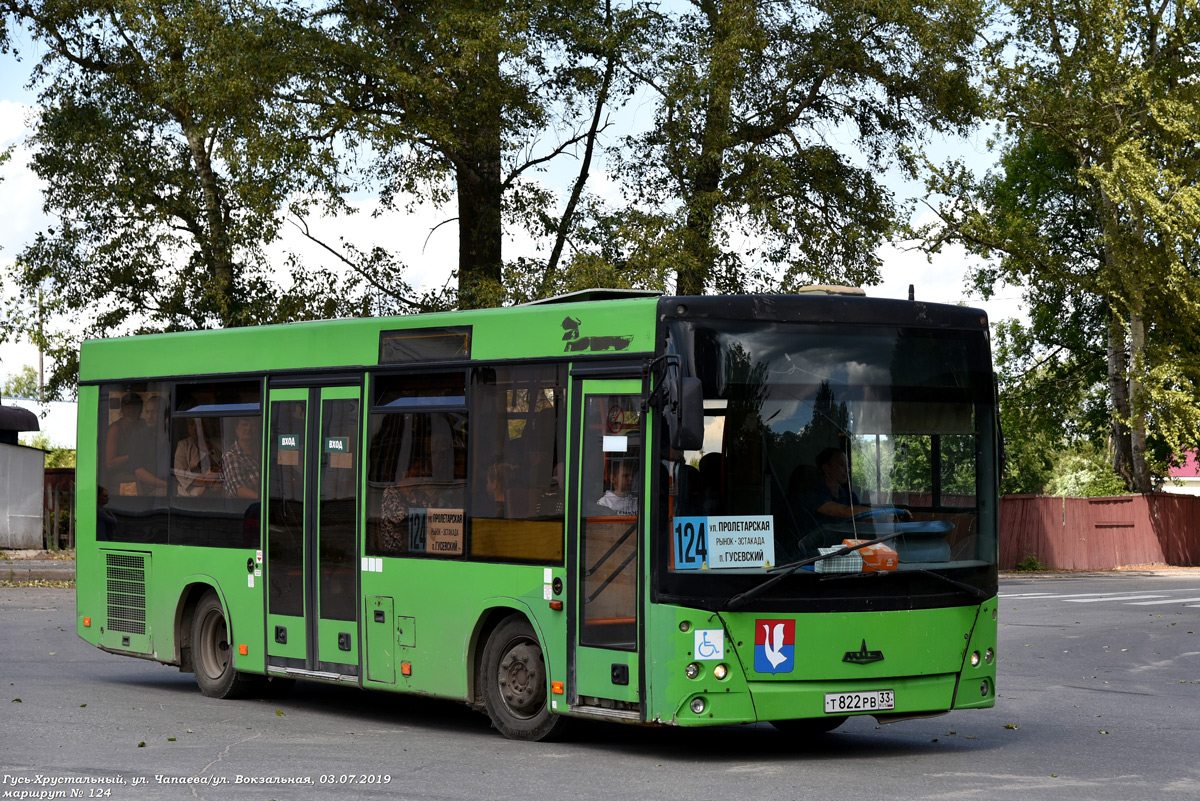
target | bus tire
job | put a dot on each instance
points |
(515, 682)
(809, 727)
(212, 654)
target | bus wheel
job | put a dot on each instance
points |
(809, 727)
(212, 654)
(514, 682)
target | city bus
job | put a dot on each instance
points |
(611, 505)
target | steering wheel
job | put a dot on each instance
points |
(882, 511)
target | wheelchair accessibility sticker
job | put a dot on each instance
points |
(709, 644)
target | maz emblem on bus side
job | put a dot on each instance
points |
(578, 344)
(863, 656)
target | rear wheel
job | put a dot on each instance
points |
(809, 727)
(515, 684)
(211, 652)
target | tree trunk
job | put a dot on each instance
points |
(480, 231)
(1142, 481)
(1122, 446)
(477, 178)
(217, 249)
(730, 22)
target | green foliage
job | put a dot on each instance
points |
(1030, 564)
(1094, 211)
(1084, 473)
(169, 166)
(22, 384)
(55, 457)
(741, 149)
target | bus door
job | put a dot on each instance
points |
(604, 557)
(310, 560)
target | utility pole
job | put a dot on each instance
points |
(41, 366)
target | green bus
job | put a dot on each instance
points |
(610, 505)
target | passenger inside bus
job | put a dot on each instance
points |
(195, 469)
(240, 470)
(106, 521)
(117, 442)
(621, 497)
(145, 446)
(499, 479)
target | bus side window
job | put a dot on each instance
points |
(518, 448)
(417, 468)
(133, 460)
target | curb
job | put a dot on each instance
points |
(37, 570)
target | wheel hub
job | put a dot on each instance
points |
(522, 681)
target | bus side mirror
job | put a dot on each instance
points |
(687, 430)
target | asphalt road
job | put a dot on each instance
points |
(1099, 691)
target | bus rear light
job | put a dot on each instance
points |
(87, 622)
(556, 687)
(406, 668)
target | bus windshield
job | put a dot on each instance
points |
(822, 437)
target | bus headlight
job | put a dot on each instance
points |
(721, 671)
(692, 670)
(989, 655)
(976, 659)
(697, 705)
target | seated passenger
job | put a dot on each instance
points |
(240, 471)
(195, 470)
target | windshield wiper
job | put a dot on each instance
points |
(974, 592)
(759, 589)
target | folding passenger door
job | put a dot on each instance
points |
(608, 491)
(311, 555)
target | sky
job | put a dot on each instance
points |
(429, 251)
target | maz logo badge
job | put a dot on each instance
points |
(863, 656)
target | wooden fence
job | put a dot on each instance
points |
(58, 510)
(1100, 533)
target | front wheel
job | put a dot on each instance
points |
(515, 682)
(212, 654)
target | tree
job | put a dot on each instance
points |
(478, 95)
(22, 384)
(169, 167)
(1095, 209)
(752, 98)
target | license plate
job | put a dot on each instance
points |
(874, 701)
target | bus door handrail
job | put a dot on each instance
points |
(620, 541)
(611, 578)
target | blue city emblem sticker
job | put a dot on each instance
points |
(774, 646)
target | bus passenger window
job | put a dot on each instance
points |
(133, 461)
(417, 468)
(517, 445)
(216, 470)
